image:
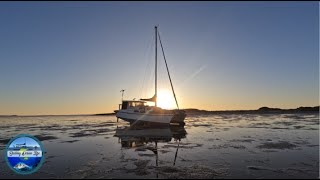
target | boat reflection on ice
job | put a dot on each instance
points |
(138, 135)
(149, 136)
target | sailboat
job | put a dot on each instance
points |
(135, 111)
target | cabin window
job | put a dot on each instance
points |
(128, 104)
(124, 105)
(139, 104)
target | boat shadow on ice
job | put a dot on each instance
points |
(144, 137)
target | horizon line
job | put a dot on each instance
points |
(112, 113)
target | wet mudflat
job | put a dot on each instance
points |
(208, 146)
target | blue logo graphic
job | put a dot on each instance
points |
(24, 154)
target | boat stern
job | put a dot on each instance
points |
(179, 117)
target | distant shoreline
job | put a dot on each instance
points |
(262, 110)
(190, 111)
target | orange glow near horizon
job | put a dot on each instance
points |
(165, 99)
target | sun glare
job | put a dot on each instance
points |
(165, 100)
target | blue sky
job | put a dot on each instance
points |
(75, 57)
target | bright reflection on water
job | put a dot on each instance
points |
(208, 146)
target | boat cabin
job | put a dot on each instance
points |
(126, 104)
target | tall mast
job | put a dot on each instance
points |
(164, 57)
(156, 33)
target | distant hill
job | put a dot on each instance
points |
(299, 109)
(269, 109)
(316, 108)
(260, 110)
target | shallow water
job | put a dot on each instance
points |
(208, 146)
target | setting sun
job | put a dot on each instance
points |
(165, 99)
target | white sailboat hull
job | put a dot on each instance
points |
(147, 117)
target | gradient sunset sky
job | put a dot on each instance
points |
(75, 57)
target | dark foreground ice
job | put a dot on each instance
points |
(208, 146)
